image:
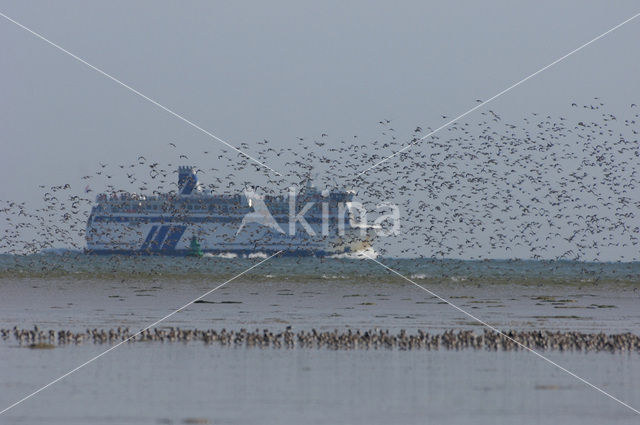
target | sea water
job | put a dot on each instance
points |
(163, 383)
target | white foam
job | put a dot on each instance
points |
(221, 255)
(359, 255)
(458, 278)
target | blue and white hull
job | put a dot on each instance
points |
(140, 235)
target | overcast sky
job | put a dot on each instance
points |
(248, 71)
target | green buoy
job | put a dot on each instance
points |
(195, 250)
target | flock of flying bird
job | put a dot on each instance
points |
(544, 187)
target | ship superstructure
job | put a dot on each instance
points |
(310, 222)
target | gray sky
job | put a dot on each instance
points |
(248, 71)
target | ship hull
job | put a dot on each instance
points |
(297, 252)
(138, 235)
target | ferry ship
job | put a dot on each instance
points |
(193, 221)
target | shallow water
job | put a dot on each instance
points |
(78, 304)
(172, 383)
(177, 383)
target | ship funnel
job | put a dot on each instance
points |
(187, 180)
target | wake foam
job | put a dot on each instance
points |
(363, 254)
